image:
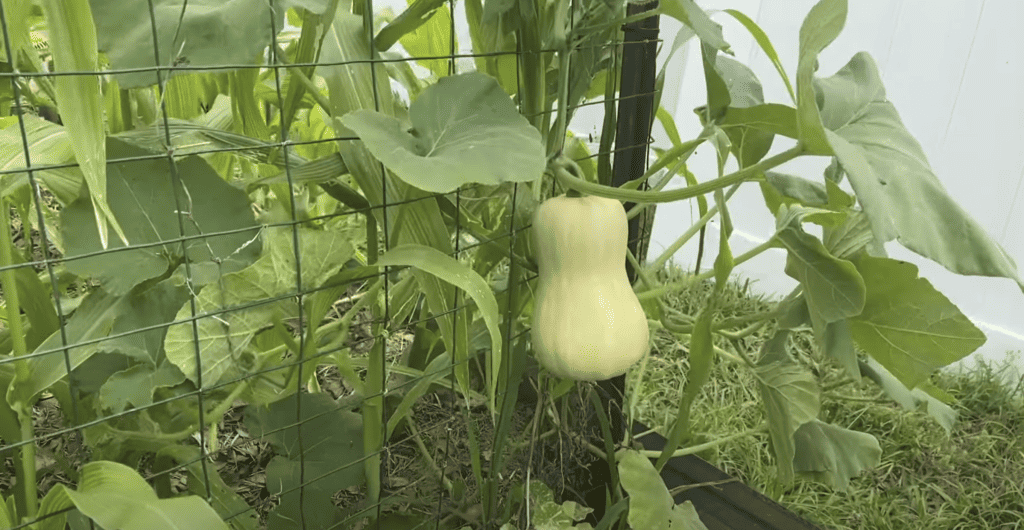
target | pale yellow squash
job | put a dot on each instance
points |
(587, 322)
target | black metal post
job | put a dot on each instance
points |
(635, 117)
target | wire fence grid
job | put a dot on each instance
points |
(39, 242)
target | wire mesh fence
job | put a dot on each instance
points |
(194, 303)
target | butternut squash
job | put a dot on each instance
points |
(587, 321)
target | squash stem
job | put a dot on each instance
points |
(686, 282)
(567, 180)
(693, 449)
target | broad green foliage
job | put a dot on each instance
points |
(546, 514)
(819, 29)
(833, 455)
(144, 197)
(651, 507)
(48, 144)
(193, 33)
(116, 497)
(832, 287)
(791, 398)
(205, 298)
(894, 183)
(72, 38)
(460, 126)
(330, 459)
(242, 303)
(93, 320)
(907, 326)
(135, 385)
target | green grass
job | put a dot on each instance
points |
(973, 479)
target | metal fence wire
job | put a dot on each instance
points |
(230, 336)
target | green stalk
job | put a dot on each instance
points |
(565, 178)
(608, 127)
(690, 232)
(534, 80)
(694, 449)
(373, 413)
(556, 140)
(533, 90)
(682, 284)
(21, 368)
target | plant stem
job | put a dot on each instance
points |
(567, 180)
(693, 449)
(690, 232)
(10, 286)
(682, 284)
(8, 280)
(556, 143)
(311, 87)
(854, 399)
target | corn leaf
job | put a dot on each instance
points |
(73, 45)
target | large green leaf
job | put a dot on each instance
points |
(148, 307)
(91, 321)
(330, 459)
(833, 455)
(889, 171)
(907, 326)
(836, 342)
(851, 237)
(260, 291)
(189, 33)
(791, 398)
(833, 288)
(769, 117)
(749, 143)
(331, 442)
(135, 385)
(792, 190)
(72, 39)
(822, 25)
(229, 505)
(142, 196)
(117, 498)
(102, 314)
(651, 507)
(465, 129)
